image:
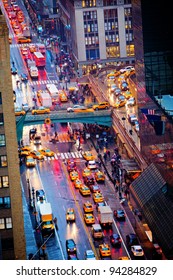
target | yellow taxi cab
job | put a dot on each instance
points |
(74, 175)
(40, 110)
(78, 183)
(104, 250)
(88, 155)
(46, 152)
(37, 155)
(25, 151)
(120, 103)
(32, 48)
(20, 19)
(155, 150)
(99, 176)
(123, 258)
(86, 172)
(63, 96)
(22, 40)
(127, 94)
(101, 106)
(88, 207)
(98, 197)
(19, 112)
(70, 215)
(89, 219)
(84, 190)
(30, 161)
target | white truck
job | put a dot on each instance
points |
(45, 99)
(46, 219)
(105, 216)
(53, 91)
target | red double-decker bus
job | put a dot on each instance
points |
(40, 59)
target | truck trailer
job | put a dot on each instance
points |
(46, 219)
(45, 98)
(105, 216)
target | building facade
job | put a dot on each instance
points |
(12, 238)
(105, 33)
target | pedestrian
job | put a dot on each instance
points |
(97, 149)
(105, 157)
(109, 153)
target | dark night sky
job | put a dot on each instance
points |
(157, 25)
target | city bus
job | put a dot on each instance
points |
(40, 59)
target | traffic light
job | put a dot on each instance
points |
(47, 121)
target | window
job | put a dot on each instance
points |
(5, 223)
(109, 2)
(5, 202)
(1, 119)
(2, 140)
(3, 161)
(4, 182)
(0, 98)
(2, 223)
(88, 3)
(8, 222)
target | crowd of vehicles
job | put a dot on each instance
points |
(18, 22)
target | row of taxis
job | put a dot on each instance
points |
(117, 83)
(19, 111)
(31, 156)
(86, 190)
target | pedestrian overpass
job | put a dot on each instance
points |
(102, 117)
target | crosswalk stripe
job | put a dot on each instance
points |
(73, 155)
(67, 155)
